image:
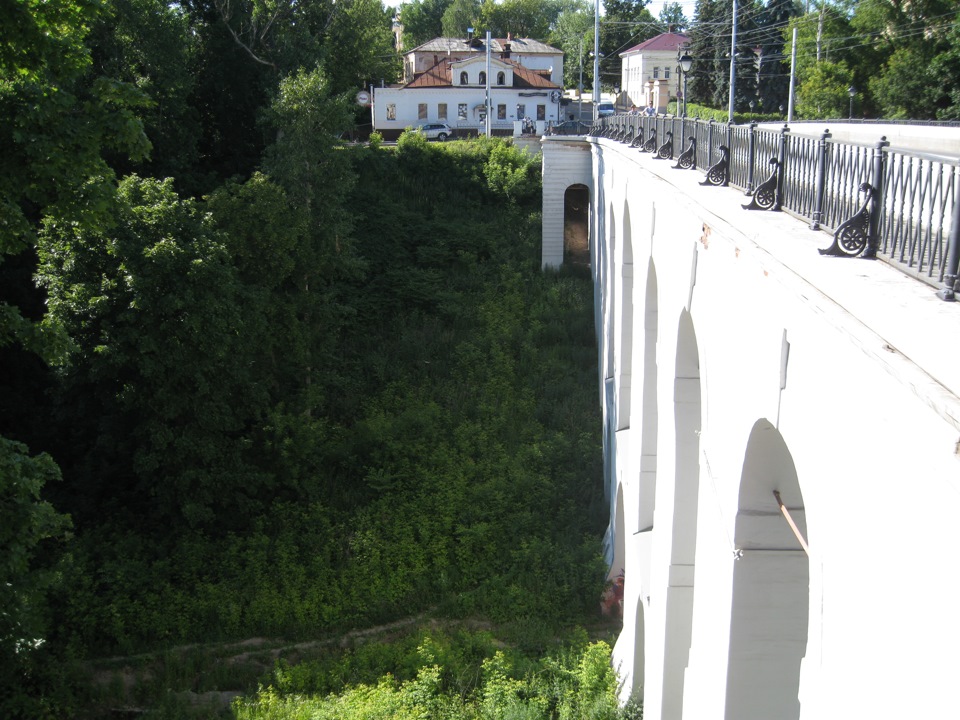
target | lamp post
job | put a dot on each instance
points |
(851, 91)
(685, 62)
(616, 98)
(751, 103)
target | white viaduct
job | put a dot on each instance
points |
(738, 366)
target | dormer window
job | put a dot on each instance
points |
(464, 80)
(483, 78)
(501, 78)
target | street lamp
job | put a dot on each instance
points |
(616, 98)
(685, 62)
(851, 91)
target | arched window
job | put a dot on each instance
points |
(483, 78)
(501, 78)
(463, 78)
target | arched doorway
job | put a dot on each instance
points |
(576, 226)
(771, 579)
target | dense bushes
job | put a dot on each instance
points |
(445, 457)
(465, 677)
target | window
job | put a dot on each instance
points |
(501, 78)
(483, 78)
(391, 112)
(541, 112)
(463, 78)
(422, 111)
(521, 112)
(442, 111)
(501, 112)
(666, 73)
(656, 73)
(462, 111)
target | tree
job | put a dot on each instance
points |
(56, 120)
(773, 71)
(626, 23)
(823, 91)
(27, 522)
(672, 18)
(461, 14)
(573, 33)
(521, 18)
(422, 21)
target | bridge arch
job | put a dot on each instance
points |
(624, 344)
(649, 414)
(685, 490)
(770, 610)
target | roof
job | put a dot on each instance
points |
(439, 76)
(462, 45)
(660, 43)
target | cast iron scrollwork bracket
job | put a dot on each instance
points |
(851, 237)
(719, 172)
(765, 197)
(638, 139)
(665, 151)
(651, 144)
(688, 158)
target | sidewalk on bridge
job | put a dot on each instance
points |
(900, 320)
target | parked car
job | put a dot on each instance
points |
(605, 108)
(436, 131)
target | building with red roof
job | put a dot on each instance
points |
(649, 72)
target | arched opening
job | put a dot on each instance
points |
(625, 360)
(771, 585)
(610, 293)
(576, 226)
(679, 610)
(501, 78)
(464, 78)
(483, 78)
(648, 426)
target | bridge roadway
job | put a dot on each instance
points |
(735, 362)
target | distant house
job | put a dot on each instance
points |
(445, 81)
(649, 74)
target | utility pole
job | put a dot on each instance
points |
(733, 63)
(488, 105)
(793, 76)
(596, 57)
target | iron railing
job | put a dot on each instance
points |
(913, 196)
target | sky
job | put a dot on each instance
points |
(654, 6)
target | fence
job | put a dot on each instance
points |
(904, 203)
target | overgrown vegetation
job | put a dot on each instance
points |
(263, 383)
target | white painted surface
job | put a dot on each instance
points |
(867, 427)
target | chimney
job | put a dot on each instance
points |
(506, 50)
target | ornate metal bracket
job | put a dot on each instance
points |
(665, 151)
(719, 172)
(688, 158)
(638, 139)
(651, 144)
(851, 237)
(766, 196)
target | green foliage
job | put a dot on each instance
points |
(512, 173)
(823, 92)
(572, 682)
(27, 525)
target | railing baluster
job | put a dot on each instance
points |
(819, 183)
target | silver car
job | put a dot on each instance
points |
(436, 131)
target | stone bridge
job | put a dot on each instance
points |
(781, 436)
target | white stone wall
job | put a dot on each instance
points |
(750, 364)
(406, 103)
